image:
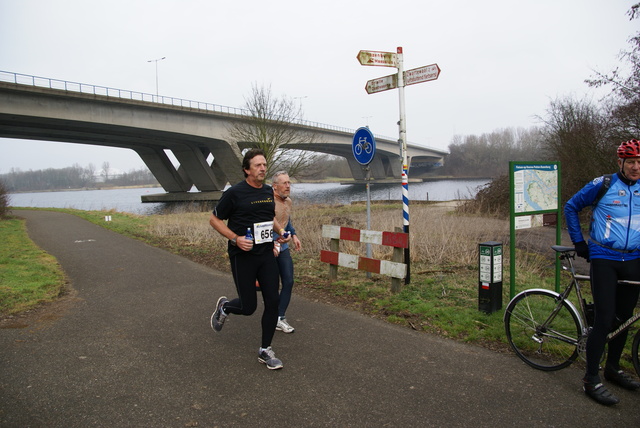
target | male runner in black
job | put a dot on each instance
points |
(250, 204)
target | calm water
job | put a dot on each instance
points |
(128, 200)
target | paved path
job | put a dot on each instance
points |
(133, 348)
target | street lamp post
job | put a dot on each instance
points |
(300, 98)
(156, 61)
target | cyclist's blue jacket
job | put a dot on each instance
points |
(615, 224)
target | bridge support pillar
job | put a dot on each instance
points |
(227, 164)
(193, 162)
(163, 170)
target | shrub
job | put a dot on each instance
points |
(4, 201)
(492, 200)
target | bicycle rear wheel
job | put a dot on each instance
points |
(634, 352)
(543, 342)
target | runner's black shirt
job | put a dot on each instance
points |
(243, 206)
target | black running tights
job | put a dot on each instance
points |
(611, 301)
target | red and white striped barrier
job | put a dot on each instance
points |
(384, 267)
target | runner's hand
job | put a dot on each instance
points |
(296, 243)
(244, 244)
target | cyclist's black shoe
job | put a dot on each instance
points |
(622, 379)
(600, 393)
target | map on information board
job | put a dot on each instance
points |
(535, 187)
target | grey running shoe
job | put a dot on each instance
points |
(268, 357)
(284, 326)
(218, 317)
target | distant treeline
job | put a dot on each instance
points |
(485, 155)
(488, 155)
(73, 177)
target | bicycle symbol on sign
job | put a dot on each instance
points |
(363, 144)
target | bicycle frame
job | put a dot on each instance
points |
(582, 310)
(625, 325)
(563, 297)
(574, 282)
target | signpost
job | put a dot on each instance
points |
(364, 149)
(411, 77)
(383, 59)
(363, 146)
(382, 84)
(421, 74)
(398, 80)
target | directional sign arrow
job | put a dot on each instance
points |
(421, 74)
(382, 84)
(384, 59)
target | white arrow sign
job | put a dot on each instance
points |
(421, 74)
(382, 84)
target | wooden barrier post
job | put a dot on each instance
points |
(333, 269)
(396, 269)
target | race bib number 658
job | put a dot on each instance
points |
(263, 232)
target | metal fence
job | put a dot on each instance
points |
(45, 82)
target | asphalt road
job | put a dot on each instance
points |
(132, 347)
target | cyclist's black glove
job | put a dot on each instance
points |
(582, 250)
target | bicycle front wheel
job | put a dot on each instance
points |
(542, 339)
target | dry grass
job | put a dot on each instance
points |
(440, 238)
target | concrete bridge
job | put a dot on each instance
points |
(195, 133)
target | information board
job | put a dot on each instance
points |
(535, 187)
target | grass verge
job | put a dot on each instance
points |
(28, 275)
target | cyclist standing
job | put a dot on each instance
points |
(614, 252)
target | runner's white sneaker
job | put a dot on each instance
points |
(284, 326)
(268, 357)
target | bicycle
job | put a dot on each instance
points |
(548, 332)
(365, 145)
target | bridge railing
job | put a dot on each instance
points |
(45, 82)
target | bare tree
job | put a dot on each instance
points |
(624, 98)
(626, 87)
(106, 170)
(90, 175)
(577, 133)
(274, 125)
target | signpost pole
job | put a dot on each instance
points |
(368, 179)
(405, 166)
(363, 147)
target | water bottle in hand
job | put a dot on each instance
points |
(249, 235)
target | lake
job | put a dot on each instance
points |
(128, 200)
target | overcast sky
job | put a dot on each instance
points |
(502, 61)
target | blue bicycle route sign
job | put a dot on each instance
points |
(363, 146)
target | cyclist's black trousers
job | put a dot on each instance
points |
(246, 269)
(611, 301)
